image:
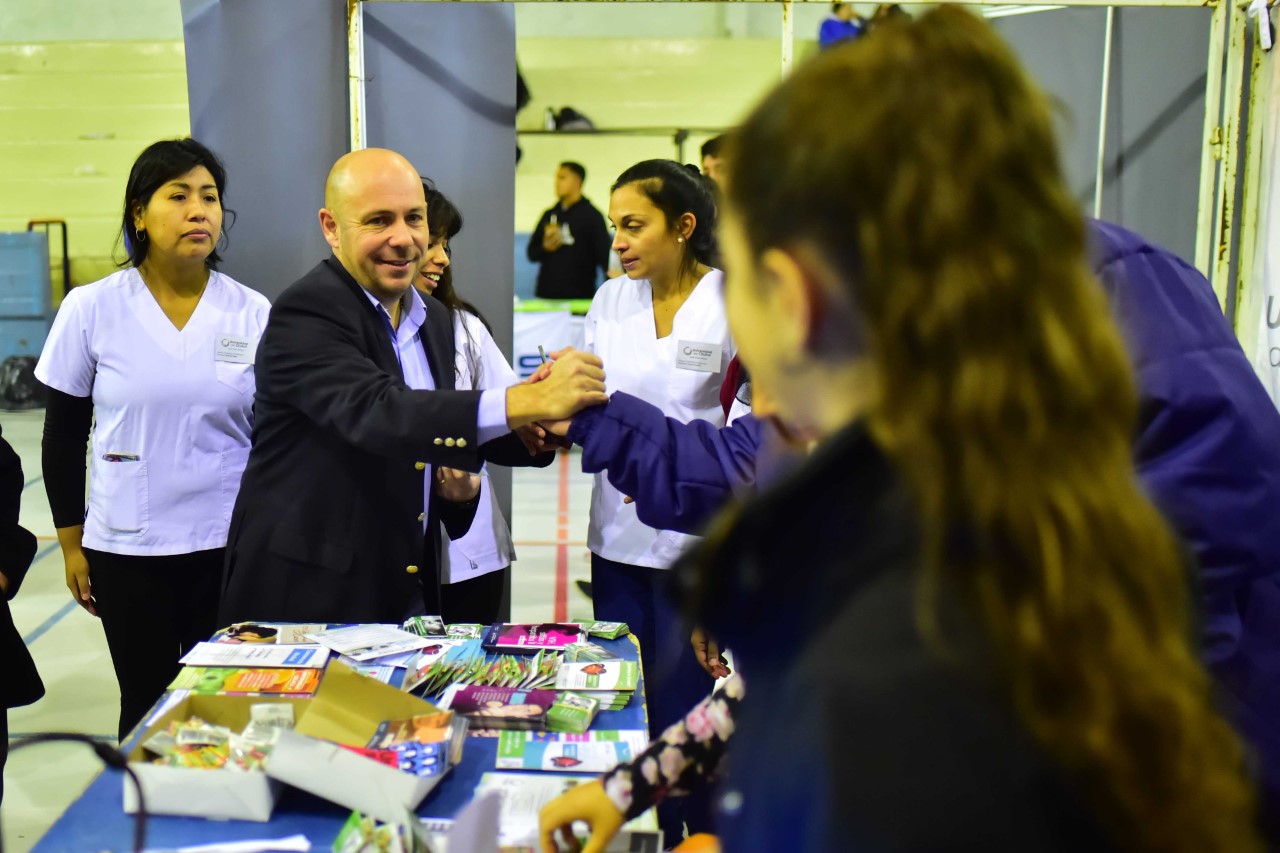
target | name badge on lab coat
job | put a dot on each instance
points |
(692, 355)
(234, 349)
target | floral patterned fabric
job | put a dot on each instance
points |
(687, 755)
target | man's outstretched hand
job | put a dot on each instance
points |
(574, 381)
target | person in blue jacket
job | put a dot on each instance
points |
(962, 621)
(843, 24)
(1207, 449)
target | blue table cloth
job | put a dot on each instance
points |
(97, 821)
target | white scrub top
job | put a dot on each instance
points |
(487, 546)
(173, 409)
(680, 374)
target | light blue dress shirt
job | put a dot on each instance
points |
(411, 352)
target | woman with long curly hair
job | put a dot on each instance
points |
(963, 623)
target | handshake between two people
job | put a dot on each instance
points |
(541, 408)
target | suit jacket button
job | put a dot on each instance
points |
(422, 516)
(439, 441)
(449, 442)
(462, 442)
(413, 570)
(421, 466)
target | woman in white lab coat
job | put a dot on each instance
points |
(476, 569)
(159, 357)
(662, 334)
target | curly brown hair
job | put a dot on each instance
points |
(921, 162)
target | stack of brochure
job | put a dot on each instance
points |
(592, 752)
(467, 663)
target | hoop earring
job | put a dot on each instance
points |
(142, 235)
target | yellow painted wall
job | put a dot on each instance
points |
(73, 117)
(631, 83)
(75, 114)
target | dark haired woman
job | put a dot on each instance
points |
(160, 357)
(662, 333)
(987, 627)
(475, 568)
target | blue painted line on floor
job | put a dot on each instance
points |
(31, 483)
(43, 627)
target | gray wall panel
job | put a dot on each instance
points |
(1156, 115)
(267, 86)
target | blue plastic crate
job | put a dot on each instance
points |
(22, 335)
(24, 276)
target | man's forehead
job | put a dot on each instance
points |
(388, 193)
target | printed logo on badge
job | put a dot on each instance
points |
(234, 349)
(692, 355)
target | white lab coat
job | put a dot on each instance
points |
(666, 372)
(487, 545)
(173, 409)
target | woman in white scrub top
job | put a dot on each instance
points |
(476, 569)
(159, 356)
(662, 334)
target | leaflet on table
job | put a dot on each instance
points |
(592, 752)
(531, 636)
(598, 675)
(418, 667)
(374, 669)
(254, 656)
(425, 626)
(265, 633)
(464, 631)
(489, 707)
(228, 681)
(366, 642)
(523, 797)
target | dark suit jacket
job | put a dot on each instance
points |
(20, 684)
(326, 526)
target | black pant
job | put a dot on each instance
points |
(484, 599)
(153, 610)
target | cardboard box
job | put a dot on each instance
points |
(215, 794)
(347, 709)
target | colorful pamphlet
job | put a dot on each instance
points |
(420, 728)
(500, 707)
(374, 669)
(572, 712)
(608, 630)
(592, 752)
(467, 663)
(465, 631)
(598, 675)
(613, 700)
(529, 637)
(254, 655)
(419, 667)
(226, 681)
(587, 653)
(425, 626)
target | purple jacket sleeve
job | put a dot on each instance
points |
(679, 474)
(1208, 442)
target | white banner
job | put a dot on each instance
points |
(552, 330)
(1263, 313)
